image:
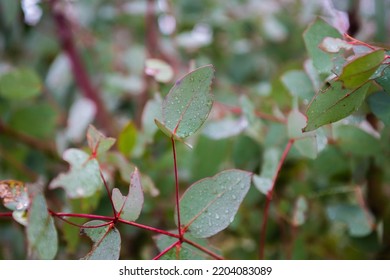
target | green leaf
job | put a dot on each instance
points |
(38, 120)
(127, 139)
(298, 84)
(209, 205)
(187, 104)
(334, 104)
(313, 37)
(186, 251)
(83, 179)
(353, 140)
(129, 207)
(20, 84)
(41, 232)
(379, 103)
(225, 128)
(359, 70)
(107, 241)
(152, 110)
(358, 221)
(384, 80)
(98, 142)
(305, 142)
(264, 181)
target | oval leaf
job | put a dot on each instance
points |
(209, 205)
(359, 70)
(334, 104)
(188, 103)
(41, 232)
(107, 241)
(20, 84)
(83, 179)
(129, 207)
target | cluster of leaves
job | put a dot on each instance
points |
(310, 137)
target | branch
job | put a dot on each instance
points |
(269, 198)
(80, 74)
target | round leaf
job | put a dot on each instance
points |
(20, 84)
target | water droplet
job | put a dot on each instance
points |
(234, 197)
(227, 211)
(217, 216)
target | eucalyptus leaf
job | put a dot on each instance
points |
(187, 104)
(127, 139)
(359, 70)
(41, 233)
(83, 178)
(106, 239)
(379, 103)
(129, 207)
(358, 221)
(209, 205)
(97, 141)
(20, 84)
(333, 104)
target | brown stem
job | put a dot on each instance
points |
(79, 72)
(269, 198)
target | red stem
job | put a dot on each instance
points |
(108, 193)
(149, 228)
(269, 198)
(6, 214)
(166, 250)
(177, 190)
(203, 249)
(79, 215)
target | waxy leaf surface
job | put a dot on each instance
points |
(98, 142)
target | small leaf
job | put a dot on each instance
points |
(187, 104)
(151, 111)
(264, 185)
(313, 36)
(127, 139)
(334, 104)
(129, 207)
(209, 205)
(98, 142)
(14, 195)
(159, 69)
(106, 239)
(271, 159)
(358, 221)
(186, 251)
(20, 84)
(83, 179)
(379, 103)
(298, 84)
(359, 70)
(41, 232)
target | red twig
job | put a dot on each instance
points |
(6, 214)
(269, 198)
(166, 250)
(149, 228)
(177, 190)
(203, 249)
(109, 194)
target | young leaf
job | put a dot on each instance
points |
(127, 139)
(358, 221)
(159, 69)
(83, 179)
(334, 104)
(14, 195)
(263, 182)
(20, 84)
(187, 104)
(298, 84)
(313, 36)
(129, 207)
(97, 141)
(106, 239)
(209, 205)
(359, 70)
(379, 103)
(41, 232)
